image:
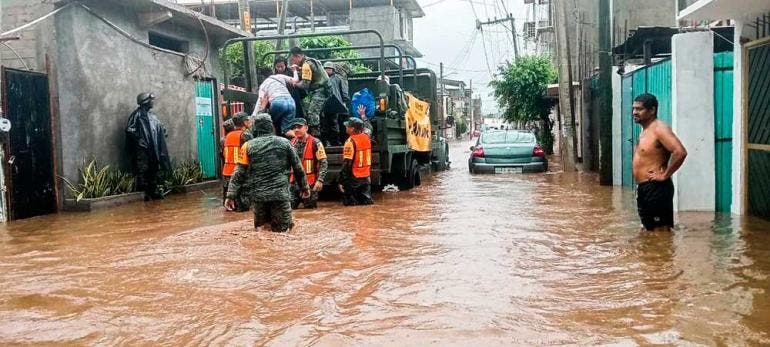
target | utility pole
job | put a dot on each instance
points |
(245, 15)
(510, 18)
(566, 92)
(515, 39)
(473, 106)
(282, 24)
(605, 95)
(443, 102)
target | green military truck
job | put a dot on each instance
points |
(393, 161)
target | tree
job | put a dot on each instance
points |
(331, 42)
(231, 58)
(520, 90)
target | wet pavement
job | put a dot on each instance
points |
(543, 259)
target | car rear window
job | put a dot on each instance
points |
(498, 137)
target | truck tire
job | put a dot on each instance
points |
(412, 178)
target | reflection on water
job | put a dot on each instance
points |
(462, 260)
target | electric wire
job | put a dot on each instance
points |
(17, 55)
(111, 25)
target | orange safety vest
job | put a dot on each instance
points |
(232, 152)
(309, 162)
(362, 158)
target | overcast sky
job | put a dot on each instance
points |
(446, 34)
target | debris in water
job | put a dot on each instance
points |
(390, 188)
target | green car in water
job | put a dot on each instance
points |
(507, 151)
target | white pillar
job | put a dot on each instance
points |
(693, 119)
(617, 118)
(738, 181)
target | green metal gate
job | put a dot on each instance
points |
(204, 114)
(723, 129)
(627, 129)
(758, 128)
(654, 79)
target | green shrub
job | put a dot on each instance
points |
(184, 173)
(97, 182)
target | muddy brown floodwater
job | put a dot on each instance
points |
(541, 259)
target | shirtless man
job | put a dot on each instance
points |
(658, 155)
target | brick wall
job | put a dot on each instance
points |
(16, 13)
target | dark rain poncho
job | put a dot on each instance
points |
(144, 132)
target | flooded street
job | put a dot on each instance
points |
(542, 259)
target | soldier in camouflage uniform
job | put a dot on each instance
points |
(312, 154)
(230, 149)
(264, 165)
(315, 81)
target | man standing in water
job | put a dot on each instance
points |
(146, 146)
(656, 158)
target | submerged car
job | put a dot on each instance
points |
(507, 151)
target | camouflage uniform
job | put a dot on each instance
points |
(323, 169)
(263, 175)
(316, 82)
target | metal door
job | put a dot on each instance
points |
(30, 172)
(627, 130)
(758, 129)
(659, 84)
(723, 129)
(204, 114)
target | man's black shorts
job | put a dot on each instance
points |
(655, 202)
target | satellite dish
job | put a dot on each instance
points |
(5, 125)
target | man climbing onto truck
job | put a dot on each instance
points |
(315, 81)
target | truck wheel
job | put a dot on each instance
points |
(412, 178)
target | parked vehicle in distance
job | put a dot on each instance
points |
(507, 151)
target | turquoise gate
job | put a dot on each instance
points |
(723, 129)
(758, 127)
(204, 116)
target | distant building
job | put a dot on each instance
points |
(393, 19)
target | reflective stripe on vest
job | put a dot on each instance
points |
(308, 160)
(362, 158)
(232, 152)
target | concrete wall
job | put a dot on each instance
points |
(617, 138)
(381, 18)
(693, 119)
(99, 73)
(643, 13)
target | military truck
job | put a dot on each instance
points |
(393, 161)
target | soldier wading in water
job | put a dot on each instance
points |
(262, 174)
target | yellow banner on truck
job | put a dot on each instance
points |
(417, 124)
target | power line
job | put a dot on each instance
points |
(432, 3)
(454, 68)
(486, 57)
